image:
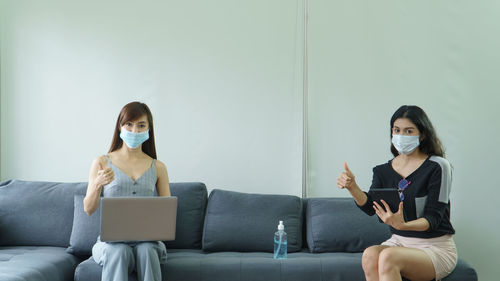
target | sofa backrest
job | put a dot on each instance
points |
(338, 225)
(242, 222)
(246, 222)
(41, 214)
(36, 213)
(192, 203)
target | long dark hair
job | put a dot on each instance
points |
(130, 112)
(430, 144)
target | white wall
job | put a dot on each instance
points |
(223, 79)
(220, 78)
(367, 58)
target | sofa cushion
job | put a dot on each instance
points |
(191, 205)
(259, 266)
(195, 265)
(191, 265)
(30, 211)
(24, 263)
(247, 222)
(338, 225)
(86, 229)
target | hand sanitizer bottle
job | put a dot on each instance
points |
(280, 242)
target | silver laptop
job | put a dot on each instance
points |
(138, 219)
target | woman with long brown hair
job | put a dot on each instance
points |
(130, 168)
(421, 246)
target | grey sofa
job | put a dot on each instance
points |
(35, 227)
(45, 235)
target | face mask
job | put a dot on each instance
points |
(133, 140)
(405, 144)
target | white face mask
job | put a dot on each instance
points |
(405, 144)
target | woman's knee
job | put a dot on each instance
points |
(118, 251)
(146, 249)
(370, 258)
(388, 260)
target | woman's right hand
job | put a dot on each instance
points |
(104, 176)
(98, 178)
(346, 179)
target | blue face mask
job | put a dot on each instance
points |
(133, 140)
(405, 144)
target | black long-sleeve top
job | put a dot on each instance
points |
(427, 196)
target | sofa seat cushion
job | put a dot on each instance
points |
(36, 263)
(192, 265)
(196, 265)
(247, 222)
(260, 266)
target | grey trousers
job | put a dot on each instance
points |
(118, 260)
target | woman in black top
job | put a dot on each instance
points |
(422, 246)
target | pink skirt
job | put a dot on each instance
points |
(441, 250)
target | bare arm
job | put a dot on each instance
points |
(98, 177)
(420, 224)
(359, 196)
(163, 183)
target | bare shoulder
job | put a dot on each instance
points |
(101, 159)
(160, 165)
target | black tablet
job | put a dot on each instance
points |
(390, 196)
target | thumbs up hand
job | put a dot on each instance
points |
(346, 179)
(105, 175)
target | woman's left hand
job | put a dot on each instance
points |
(396, 220)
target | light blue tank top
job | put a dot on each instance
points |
(124, 186)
